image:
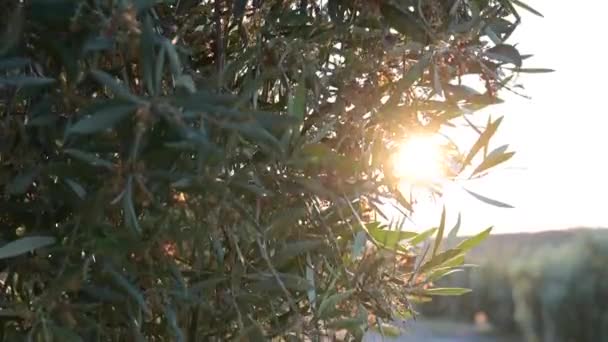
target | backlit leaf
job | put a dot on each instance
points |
(454, 231)
(482, 141)
(388, 238)
(422, 236)
(446, 291)
(439, 259)
(474, 240)
(440, 231)
(494, 158)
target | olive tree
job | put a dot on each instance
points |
(210, 170)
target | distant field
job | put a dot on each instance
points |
(501, 247)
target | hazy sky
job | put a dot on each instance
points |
(558, 178)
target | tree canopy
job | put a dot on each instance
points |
(207, 170)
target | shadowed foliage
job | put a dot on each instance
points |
(206, 170)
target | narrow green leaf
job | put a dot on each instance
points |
(96, 44)
(128, 207)
(404, 202)
(440, 273)
(440, 231)
(489, 200)
(458, 260)
(42, 120)
(329, 304)
(492, 35)
(129, 288)
(419, 299)
(482, 141)
(146, 56)
(505, 53)
(25, 245)
(104, 118)
(473, 241)
(500, 25)
(77, 188)
(388, 238)
(21, 182)
(446, 291)
(174, 62)
(297, 102)
(531, 70)
(310, 276)
(437, 81)
(171, 315)
(185, 82)
(89, 158)
(454, 232)
(526, 7)
(439, 259)
(143, 5)
(25, 81)
(13, 63)
(422, 236)
(119, 90)
(494, 158)
(159, 69)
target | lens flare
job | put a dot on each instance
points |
(419, 159)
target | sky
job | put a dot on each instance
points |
(558, 178)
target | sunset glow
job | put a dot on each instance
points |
(419, 159)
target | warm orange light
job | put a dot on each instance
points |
(419, 159)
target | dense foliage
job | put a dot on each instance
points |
(206, 170)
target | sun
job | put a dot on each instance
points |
(419, 159)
